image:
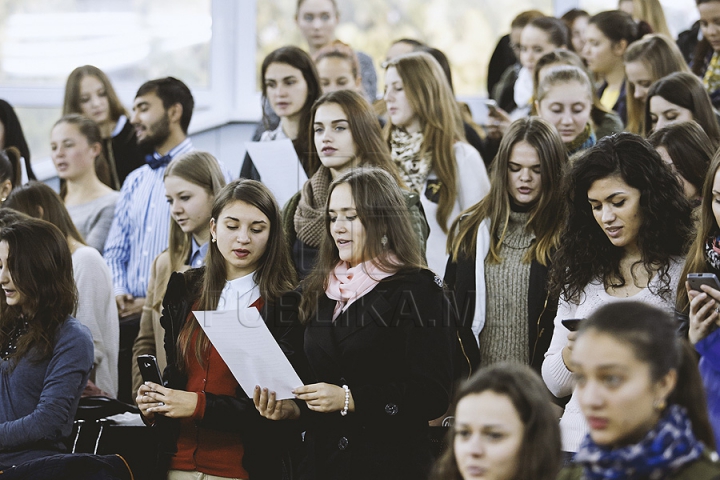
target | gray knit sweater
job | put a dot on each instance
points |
(505, 334)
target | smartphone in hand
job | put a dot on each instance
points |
(695, 280)
(149, 369)
(572, 324)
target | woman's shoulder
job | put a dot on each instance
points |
(573, 472)
(162, 261)
(422, 278)
(74, 333)
(465, 151)
(270, 135)
(704, 468)
(87, 256)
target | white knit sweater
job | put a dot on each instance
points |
(558, 378)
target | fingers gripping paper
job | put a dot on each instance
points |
(249, 350)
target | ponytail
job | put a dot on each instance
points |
(10, 166)
(690, 394)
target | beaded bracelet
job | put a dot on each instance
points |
(344, 411)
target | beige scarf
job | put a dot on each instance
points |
(310, 214)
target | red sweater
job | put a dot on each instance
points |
(199, 449)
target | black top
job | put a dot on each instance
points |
(393, 349)
(126, 154)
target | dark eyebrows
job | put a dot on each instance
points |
(609, 197)
(333, 122)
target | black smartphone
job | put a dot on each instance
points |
(149, 369)
(572, 324)
(697, 279)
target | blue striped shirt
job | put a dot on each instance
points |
(140, 228)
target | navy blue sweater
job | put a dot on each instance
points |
(38, 400)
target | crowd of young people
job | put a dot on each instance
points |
(430, 271)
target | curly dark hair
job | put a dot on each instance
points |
(585, 252)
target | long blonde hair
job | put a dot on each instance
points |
(429, 95)
(651, 11)
(547, 215)
(706, 226)
(203, 170)
(660, 56)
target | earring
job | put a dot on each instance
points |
(384, 241)
(659, 405)
(214, 240)
(3, 199)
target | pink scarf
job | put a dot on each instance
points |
(346, 284)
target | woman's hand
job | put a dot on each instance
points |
(156, 399)
(324, 397)
(145, 402)
(567, 350)
(704, 316)
(274, 409)
(498, 122)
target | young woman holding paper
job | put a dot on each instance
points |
(377, 345)
(290, 84)
(209, 424)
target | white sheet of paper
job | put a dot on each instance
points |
(279, 167)
(248, 348)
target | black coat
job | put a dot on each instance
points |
(460, 278)
(268, 444)
(393, 348)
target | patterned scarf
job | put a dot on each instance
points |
(414, 169)
(582, 142)
(670, 445)
(712, 252)
(310, 214)
(711, 80)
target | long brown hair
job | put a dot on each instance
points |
(71, 103)
(275, 273)
(706, 227)
(382, 211)
(429, 95)
(690, 149)
(687, 91)
(546, 218)
(539, 456)
(41, 267)
(660, 56)
(38, 200)
(364, 127)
